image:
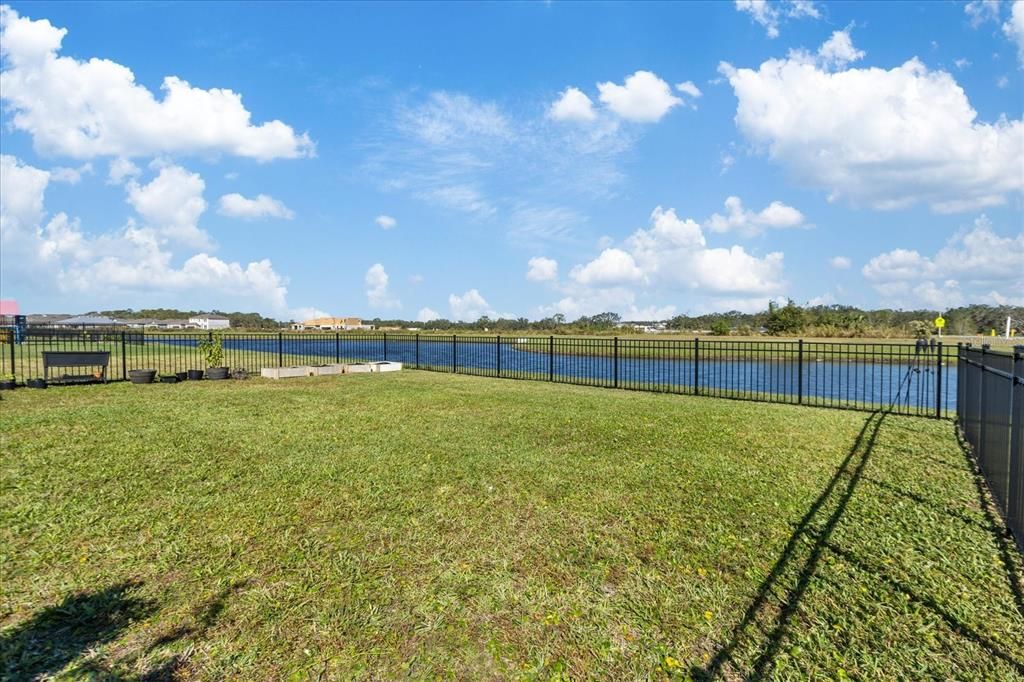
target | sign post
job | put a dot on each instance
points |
(940, 322)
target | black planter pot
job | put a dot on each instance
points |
(194, 374)
(8, 385)
(182, 376)
(142, 376)
(217, 373)
(36, 383)
(169, 379)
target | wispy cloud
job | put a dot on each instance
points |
(518, 169)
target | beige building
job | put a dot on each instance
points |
(331, 324)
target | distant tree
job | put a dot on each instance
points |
(787, 319)
(720, 328)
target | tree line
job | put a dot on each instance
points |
(778, 320)
(238, 319)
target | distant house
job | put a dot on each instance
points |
(149, 323)
(210, 322)
(331, 324)
(46, 320)
(88, 321)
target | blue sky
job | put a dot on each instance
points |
(455, 160)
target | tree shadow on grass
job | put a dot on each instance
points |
(57, 635)
(203, 617)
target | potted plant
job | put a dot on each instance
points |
(182, 376)
(142, 376)
(36, 382)
(169, 378)
(194, 374)
(7, 382)
(213, 352)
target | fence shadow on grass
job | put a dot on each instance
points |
(768, 619)
(760, 618)
(57, 635)
(1008, 555)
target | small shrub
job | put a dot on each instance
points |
(212, 350)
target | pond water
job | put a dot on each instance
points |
(911, 386)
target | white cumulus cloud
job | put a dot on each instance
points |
(427, 315)
(669, 258)
(385, 222)
(748, 223)
(613, 266)
(378, 294)
(838, 51)
(171, 204)
(975, 263)
(840, 262)
(770, 13)
(469, 307)
(541, 269)
(135, 263)
(235, 205)
(643, 97)
(573, 105)
(85, 109)
(1014, 28)
(885, 138)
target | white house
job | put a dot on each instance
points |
(210, 322)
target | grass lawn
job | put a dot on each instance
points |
(428, 525)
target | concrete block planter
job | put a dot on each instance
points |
(328, 370)
(358, 368)
(287, 372)
(385, 366)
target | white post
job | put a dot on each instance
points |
(1007, 326)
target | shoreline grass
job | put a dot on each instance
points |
(423, 525)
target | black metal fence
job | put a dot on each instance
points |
(990, 415)
(902, 378)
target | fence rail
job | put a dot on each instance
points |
(902, 378)
(990, 416)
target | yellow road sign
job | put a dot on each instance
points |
(940, 322)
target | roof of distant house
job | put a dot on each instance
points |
(332, 321)
(205, 316)
(98, 320)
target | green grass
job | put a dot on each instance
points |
(425, 525)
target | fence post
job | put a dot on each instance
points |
(10, 337)
(696, 365)
(800, 373)
(385, 346)
(280, 349)
(616, 364)
(1015, 501)
(938, 381)
(959, 384)
(551, 358)
(455, 366)
(982, 406)
(124, 354)
(498, 344)
(417, 351)
(337, 347)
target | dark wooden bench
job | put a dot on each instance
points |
(76, 358)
